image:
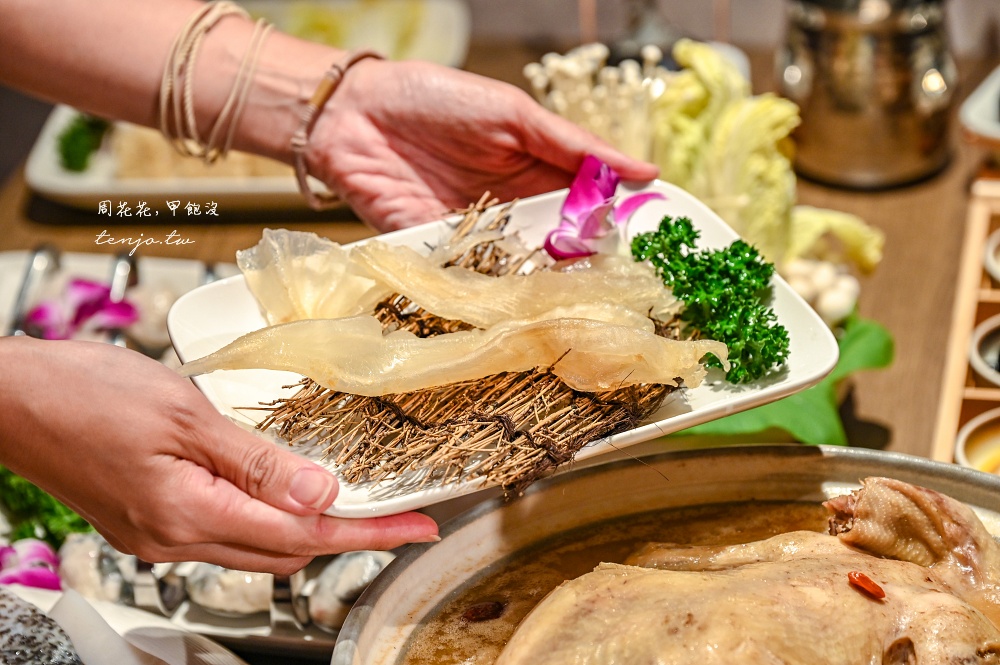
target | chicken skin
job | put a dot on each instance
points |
(907, 576)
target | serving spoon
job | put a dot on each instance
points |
(124, 275)
(43, 261)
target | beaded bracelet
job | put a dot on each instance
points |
(300, 139)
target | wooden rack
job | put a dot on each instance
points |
(964, 393)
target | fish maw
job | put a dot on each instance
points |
(352, 355)
(295, 275)
(483, 301)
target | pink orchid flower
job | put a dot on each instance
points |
(584, 214)
(85, 305)
(30, 562)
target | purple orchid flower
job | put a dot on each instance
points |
(584, 214)
(85, 305)
(28, 551)
(40, 577)
(30, 562)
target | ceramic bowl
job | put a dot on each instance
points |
(991, 256)
(984, 349)
(977, 445)
(378, 626)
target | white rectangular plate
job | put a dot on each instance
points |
(177, 275)
(44, 174)
(214, 315)
(980, 112)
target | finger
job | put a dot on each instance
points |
(234, 558)
(323, 534)
(242, 521)
(541, 178)
(237, 556)
(227, 555)
(564, 144)
(262, 470)
(253, 562)
(334, 535)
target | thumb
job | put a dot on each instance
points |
(272, 474)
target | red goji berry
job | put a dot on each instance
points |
(865, 584)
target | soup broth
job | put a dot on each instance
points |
(472, 626)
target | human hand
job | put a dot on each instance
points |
(144, 457)
(406, 142)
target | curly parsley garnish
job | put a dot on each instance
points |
(724, 294)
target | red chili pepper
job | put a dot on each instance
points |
(865, 584)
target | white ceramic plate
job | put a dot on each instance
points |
(991, 256)
(99, 183)
(153, 634)
(178, 275)
(212, 316)
(980, 112)
(436, 31)
(254, 633)
(984, 349)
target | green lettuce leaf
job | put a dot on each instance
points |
(832, 235)
(811, 416)
(684, 116)
(745, 174)
(33, 513)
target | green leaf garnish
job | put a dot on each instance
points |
(725, 294)
(811, 416)
(34, 513)
(79, 140)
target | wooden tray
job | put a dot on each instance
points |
(964, 393)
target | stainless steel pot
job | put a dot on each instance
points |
(424, 575)
(874, 80)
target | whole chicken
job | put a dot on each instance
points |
(907, 576)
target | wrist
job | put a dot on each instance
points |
(312, 156)
(14, 352)
(247, 81)
(21, 392)
(288, 71)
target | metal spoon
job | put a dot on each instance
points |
(286, 611)
(43, 261)
(161, 594)
(210, 274)
(124, 275)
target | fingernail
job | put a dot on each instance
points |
(311, 487)
(428, 539)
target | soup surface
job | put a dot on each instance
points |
(472, 626)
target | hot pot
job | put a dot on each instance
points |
(417, 581)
